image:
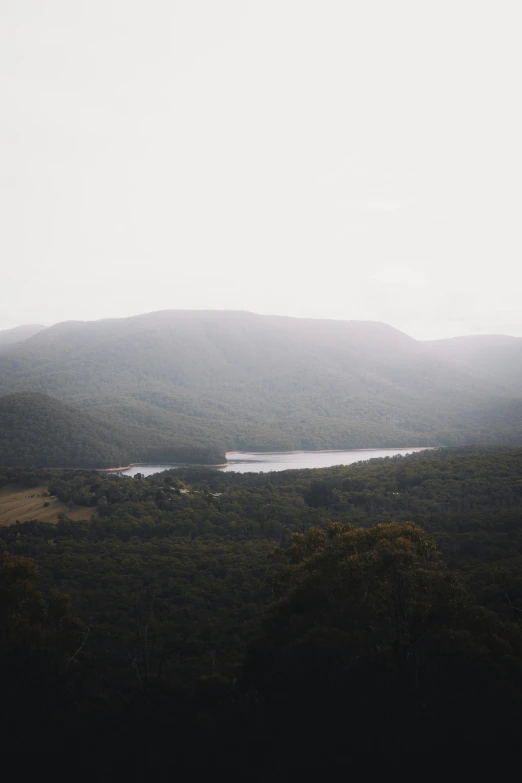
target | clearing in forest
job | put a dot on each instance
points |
(28, 504)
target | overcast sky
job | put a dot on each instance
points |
(322, 158)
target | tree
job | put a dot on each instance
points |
(319, 494)
(373, 646)
(39, 643)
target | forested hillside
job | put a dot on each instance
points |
(36, 429)
(392, 586)
(204, 382)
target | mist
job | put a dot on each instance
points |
(314, 159)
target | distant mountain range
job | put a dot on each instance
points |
(18, 334)
(190, 385)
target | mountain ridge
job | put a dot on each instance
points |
(19, 334)
(206, 382)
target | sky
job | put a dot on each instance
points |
(312, 158)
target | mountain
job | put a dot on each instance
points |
(18, 334)
(193, 384)
(38, 430)
(490, 357)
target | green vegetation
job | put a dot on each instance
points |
(36, 429)
(266, 624)
(374, 647)
(188, 386)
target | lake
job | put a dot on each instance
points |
(243, 462)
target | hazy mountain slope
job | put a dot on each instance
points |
(211, 381)
(493, 358)
(18, 334)
(182, 352)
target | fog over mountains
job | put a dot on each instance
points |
(190, 385)
(18, 334)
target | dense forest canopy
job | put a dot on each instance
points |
(191, 385)
(36, 429)
(242, 611)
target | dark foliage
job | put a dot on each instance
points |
(36, 429)
(385, 642)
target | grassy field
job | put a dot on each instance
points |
(28, 504)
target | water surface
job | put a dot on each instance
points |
(244, 462)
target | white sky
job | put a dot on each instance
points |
(323, 158)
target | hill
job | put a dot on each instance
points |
(38, 430)
(491, 357)
(198, 383)
(18, 334)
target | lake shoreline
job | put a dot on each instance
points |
(334, 451)
(260, 453)
(265, 461)
(174, 465)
